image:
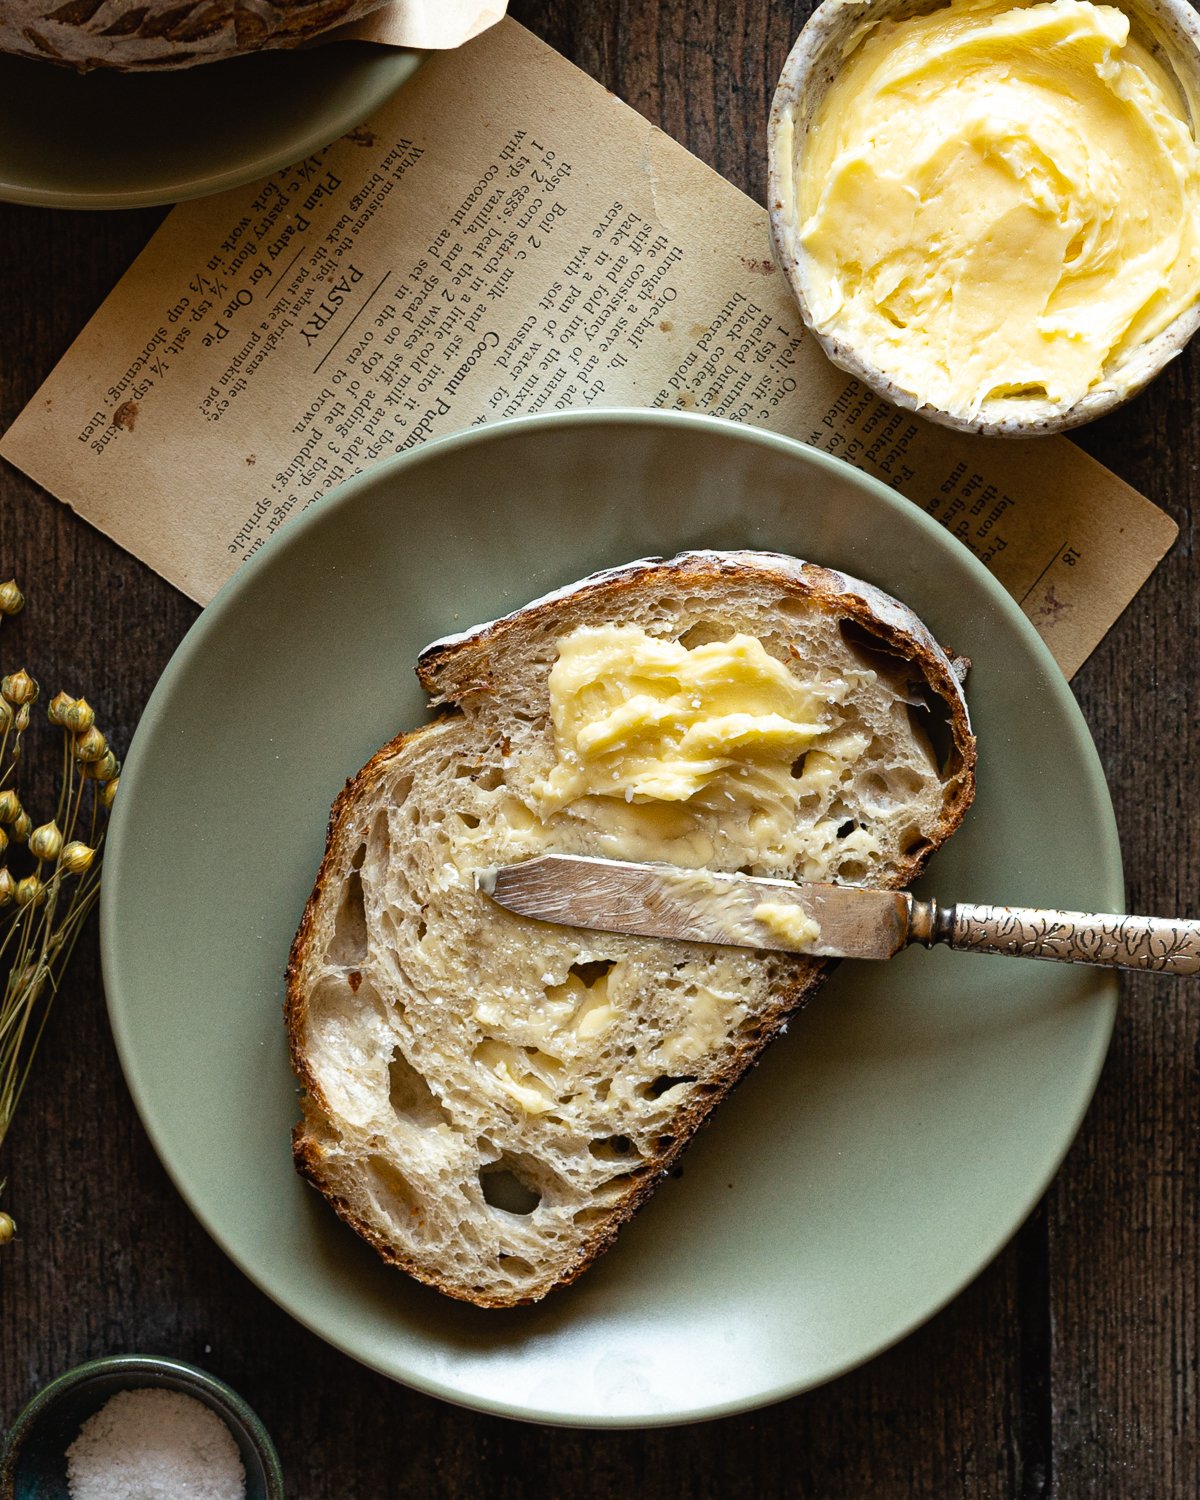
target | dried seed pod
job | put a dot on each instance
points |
(109, 791)
(10, 806)
(90, 745)
(19, 688)
(30, 891)
(12, 600)
(8, 1228)
(79, 716)
(22, 827)
(46, 841)
(8, 887)
(57, 711)
(103, 769)
(76, 857)
(22, 719)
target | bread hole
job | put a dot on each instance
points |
(505, 1188)
(469, 1236)
(852, 870)
(661, 1084)
(876, 654)
(410, 1095)
(514, 1265)
(349, 945)
(543, 1062)
(401, 787)
(847, 828)
(468, 820)
(391, 1190)
(359, 855)
(462, 773)
(604, 1198)
(875, 784)
(489, 780)
(704, 633)
(798, 764)
(613, 1148)
(930, 721)
(913, 842)
(590, 974)
(586, 1216)
(422, 928)
(334, 1008)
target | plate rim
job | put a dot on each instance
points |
(193, 643)
(163, 192)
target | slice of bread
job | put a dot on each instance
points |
(487, 1098)
(162, 34)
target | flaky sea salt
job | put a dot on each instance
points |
(153, 1444)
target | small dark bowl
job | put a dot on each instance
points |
(33, 1459)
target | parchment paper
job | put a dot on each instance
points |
(423, 24)
(504, 236)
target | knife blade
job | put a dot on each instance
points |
(698, 906)
(824, 920)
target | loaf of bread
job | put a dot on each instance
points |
(487, 1098)
(158, 34)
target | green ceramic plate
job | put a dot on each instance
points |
(887, 1146)
(124, 140)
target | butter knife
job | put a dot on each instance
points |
(823, 920)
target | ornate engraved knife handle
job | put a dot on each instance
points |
(1160, 944)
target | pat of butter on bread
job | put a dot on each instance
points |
(488, 1098)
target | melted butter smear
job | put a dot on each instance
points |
(1000, 203)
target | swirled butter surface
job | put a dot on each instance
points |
(999, 203)
(648, 719)
(695, 754)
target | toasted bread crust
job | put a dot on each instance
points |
(454, 670)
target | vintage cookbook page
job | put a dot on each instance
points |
(504, 236)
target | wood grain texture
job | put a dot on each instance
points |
(1069, 1369)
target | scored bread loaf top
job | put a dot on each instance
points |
(488, 1098)
(163, 34)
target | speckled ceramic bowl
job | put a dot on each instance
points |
(33, 1462)
(1169, 28)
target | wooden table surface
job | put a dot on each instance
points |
(1068, 1369)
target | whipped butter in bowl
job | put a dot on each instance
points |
(990, 211)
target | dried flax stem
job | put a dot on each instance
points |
(49, 875)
